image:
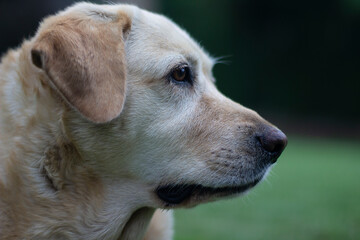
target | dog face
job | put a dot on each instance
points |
(145, 109)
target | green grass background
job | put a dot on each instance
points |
(313, 192)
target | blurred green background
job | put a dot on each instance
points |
(298, 64)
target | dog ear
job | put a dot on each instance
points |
(84, 59)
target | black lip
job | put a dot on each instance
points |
(176, 194)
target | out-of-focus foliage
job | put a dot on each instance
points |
(294, 57)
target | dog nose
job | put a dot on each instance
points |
(273, 141)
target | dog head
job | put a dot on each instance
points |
(142, 107)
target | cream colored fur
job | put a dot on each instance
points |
(86, 166)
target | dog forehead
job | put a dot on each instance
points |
(156, 40)
(151, 29)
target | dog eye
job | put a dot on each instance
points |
(181, 74)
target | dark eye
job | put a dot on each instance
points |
(181, 75)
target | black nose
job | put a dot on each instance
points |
(273, 141)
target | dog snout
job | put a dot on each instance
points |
(273, 141)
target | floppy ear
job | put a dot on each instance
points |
(85, 61)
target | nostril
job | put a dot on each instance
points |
(273, 140)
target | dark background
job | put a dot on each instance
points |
(295, 62)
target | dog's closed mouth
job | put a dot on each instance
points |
(176, 194)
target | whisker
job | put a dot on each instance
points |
(109, 2)
(222, 60)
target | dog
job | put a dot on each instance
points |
(109, 114)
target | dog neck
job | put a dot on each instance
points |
(115, 207)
